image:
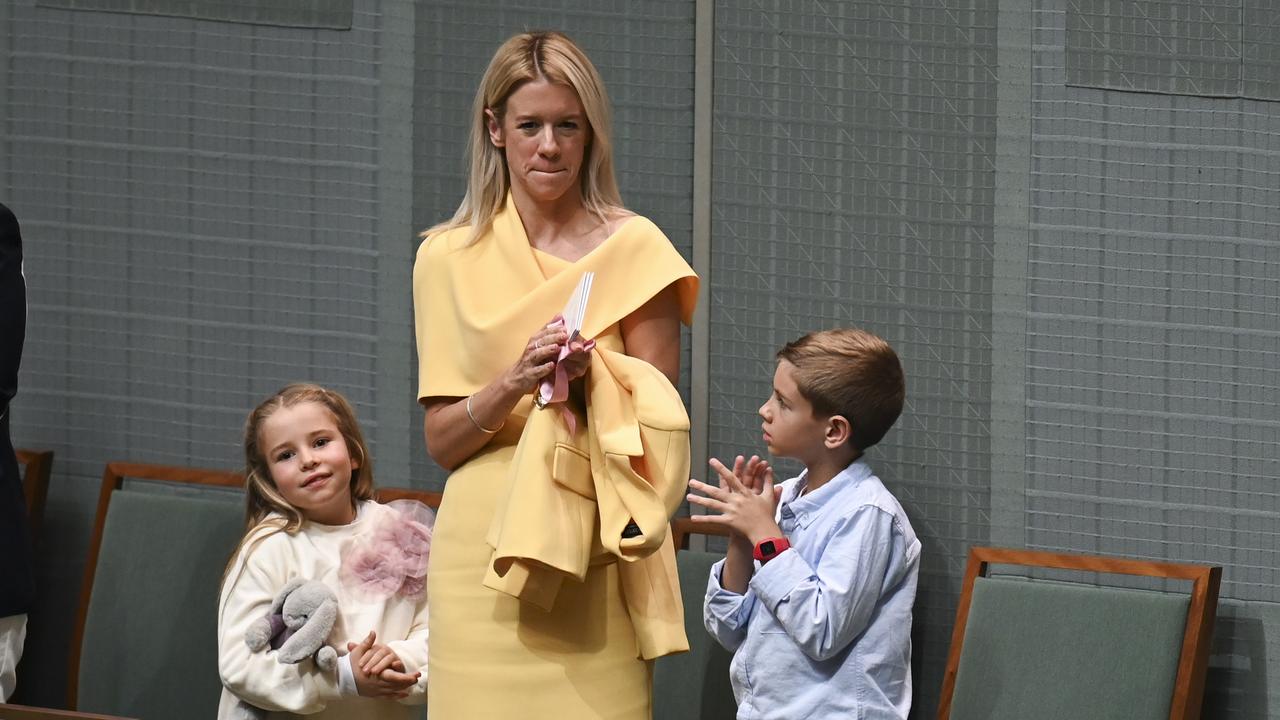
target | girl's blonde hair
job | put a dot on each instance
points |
(262, 497)
(553, 57)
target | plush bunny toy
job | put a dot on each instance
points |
(298, 625)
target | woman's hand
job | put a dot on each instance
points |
(578, 361)
(539, 357)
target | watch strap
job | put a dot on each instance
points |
(769, 548)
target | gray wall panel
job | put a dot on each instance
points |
(200, 204)
(854, 182)
(334, 14)
(1082, 283)
(1153, 337)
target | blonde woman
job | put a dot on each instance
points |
(552, 582)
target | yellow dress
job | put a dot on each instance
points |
(577, 645)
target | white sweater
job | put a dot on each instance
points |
(287, 690)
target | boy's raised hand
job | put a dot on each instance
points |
(745, 499)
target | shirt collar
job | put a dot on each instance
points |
(792, 504)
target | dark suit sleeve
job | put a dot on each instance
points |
(16, 586)
(13, 306)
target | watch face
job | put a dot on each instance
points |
(766, 548)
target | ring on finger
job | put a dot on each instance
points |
(537, 344)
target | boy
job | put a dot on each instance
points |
(820, 623)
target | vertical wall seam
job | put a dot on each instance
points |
(395, 242)
(1009, 276)
(699, 386)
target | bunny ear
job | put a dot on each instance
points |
(277, 605)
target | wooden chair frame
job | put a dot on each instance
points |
(683, 527)
(1188, 689)
(37, 468)
(426, 497)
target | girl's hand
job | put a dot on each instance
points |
(745, 499)
(539, 357)
(389, 683)
(379, 658)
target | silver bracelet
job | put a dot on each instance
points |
(476, 422)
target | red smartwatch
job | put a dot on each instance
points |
(769, 548)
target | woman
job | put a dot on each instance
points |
(552, 580)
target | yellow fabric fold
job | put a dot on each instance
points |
(569, 497)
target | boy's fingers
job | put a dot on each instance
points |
(710, 491)
(720, 469)
(735, 484)
(707, 519)
(773, 491)
(706, 502)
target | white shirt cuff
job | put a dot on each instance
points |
(346, 677)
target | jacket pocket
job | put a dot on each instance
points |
(571, 468)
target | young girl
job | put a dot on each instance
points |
(311, 516)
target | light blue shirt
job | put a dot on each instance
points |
(824, 629)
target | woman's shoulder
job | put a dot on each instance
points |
(441, 239)
(624, 223)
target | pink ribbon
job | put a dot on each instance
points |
(555, 388)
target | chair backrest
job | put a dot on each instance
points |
(145, 644)
(37, 467)
(1051, 648)
(693, 685)
(430, 499)
(682, 528)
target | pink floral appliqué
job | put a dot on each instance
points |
(392, 558)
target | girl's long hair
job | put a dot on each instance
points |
(550, 56)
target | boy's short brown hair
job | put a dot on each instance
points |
(853, 373)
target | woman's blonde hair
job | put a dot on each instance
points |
(527, 57)
(262, 497)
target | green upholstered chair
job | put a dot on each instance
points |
(693, 685)
(146, 638)
(1058, 649)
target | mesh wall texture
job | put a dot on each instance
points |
(213, 209)
(853, 182)
(644, 53)
(1214, 48)
(199, 206)
(335, 14)
(1152, 381)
